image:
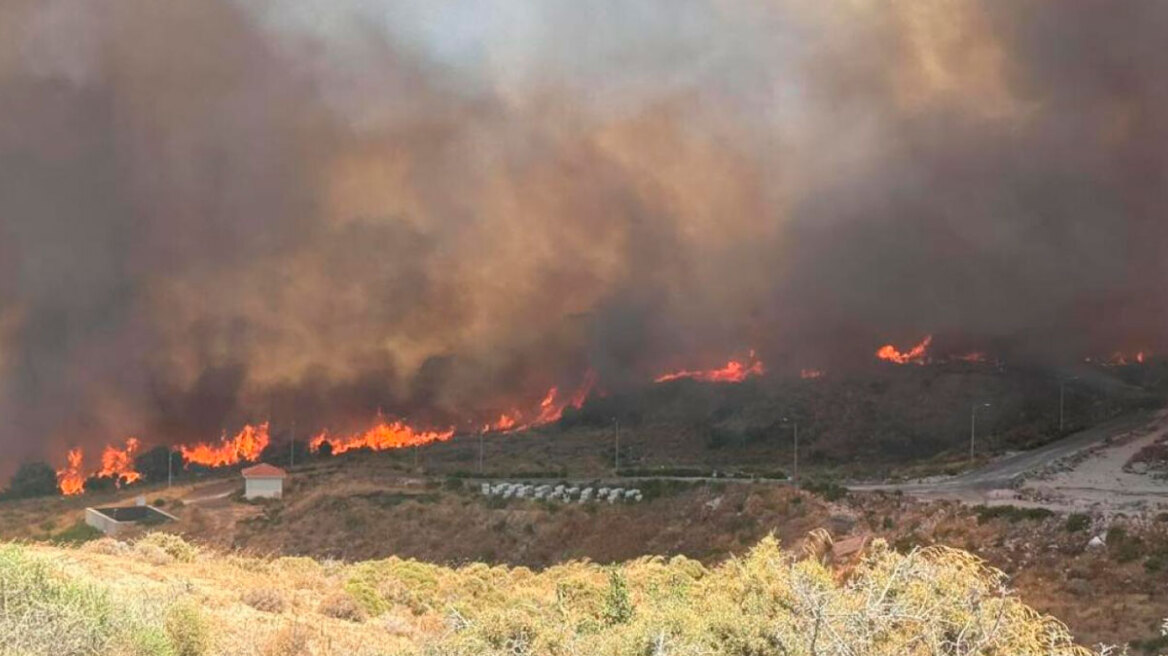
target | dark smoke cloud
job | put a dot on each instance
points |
(213, 212)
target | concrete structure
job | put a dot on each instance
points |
(263, 481)
(113, 521)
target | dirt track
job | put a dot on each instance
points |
(1084, 471)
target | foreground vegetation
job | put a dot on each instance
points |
(160, 596)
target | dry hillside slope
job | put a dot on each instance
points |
(161, 596)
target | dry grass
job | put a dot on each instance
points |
(766, 602)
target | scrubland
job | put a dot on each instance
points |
(161, 596)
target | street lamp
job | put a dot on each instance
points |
(616, 449)
(973, 426)
(795, 456)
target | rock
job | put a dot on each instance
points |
(1097, 542)
(1139, 467)
(714, 503)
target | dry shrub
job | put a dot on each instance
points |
(399, 626)
(768, 603)
(267, 600)
(107, 547)
(290, 640)
(299, 572)
(342, 607)
(250, 565)
(174, 546)
(153, 554)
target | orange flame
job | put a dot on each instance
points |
(915, 355)
(735, 371)
(246, 446)
(118, 464)
(550, 409)
(70, 480)
(506, 421)
(810, 374)
(383, 435)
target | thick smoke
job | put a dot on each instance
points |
(216, 211)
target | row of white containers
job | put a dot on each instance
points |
(564, 493)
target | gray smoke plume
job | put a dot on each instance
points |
(216, 211)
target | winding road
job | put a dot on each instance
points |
(1004, 480)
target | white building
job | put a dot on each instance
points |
(263, 481)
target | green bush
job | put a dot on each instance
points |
(187, 629)
(1078, 522)
(618, 608)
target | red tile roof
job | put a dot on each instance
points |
(264, 470)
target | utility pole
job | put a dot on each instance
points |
(795, 468)
(616, 451)
(480, 452)
(169, 467)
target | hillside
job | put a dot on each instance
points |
(160, 596)
(360, 507)
(865, 422)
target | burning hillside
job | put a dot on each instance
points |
(383, 435)
(734, 371)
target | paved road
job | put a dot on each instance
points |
(1004, 472)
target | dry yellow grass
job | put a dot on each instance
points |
(933, 601)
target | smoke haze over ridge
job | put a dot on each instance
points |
(215, 211)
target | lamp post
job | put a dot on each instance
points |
(973, 426)
(795, 452)
(616, 449)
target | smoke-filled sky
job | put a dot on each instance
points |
(214, 211)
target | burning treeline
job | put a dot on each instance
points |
(249, 444)
(425, 208)
(117, 464)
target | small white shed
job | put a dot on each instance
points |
(263, 481)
